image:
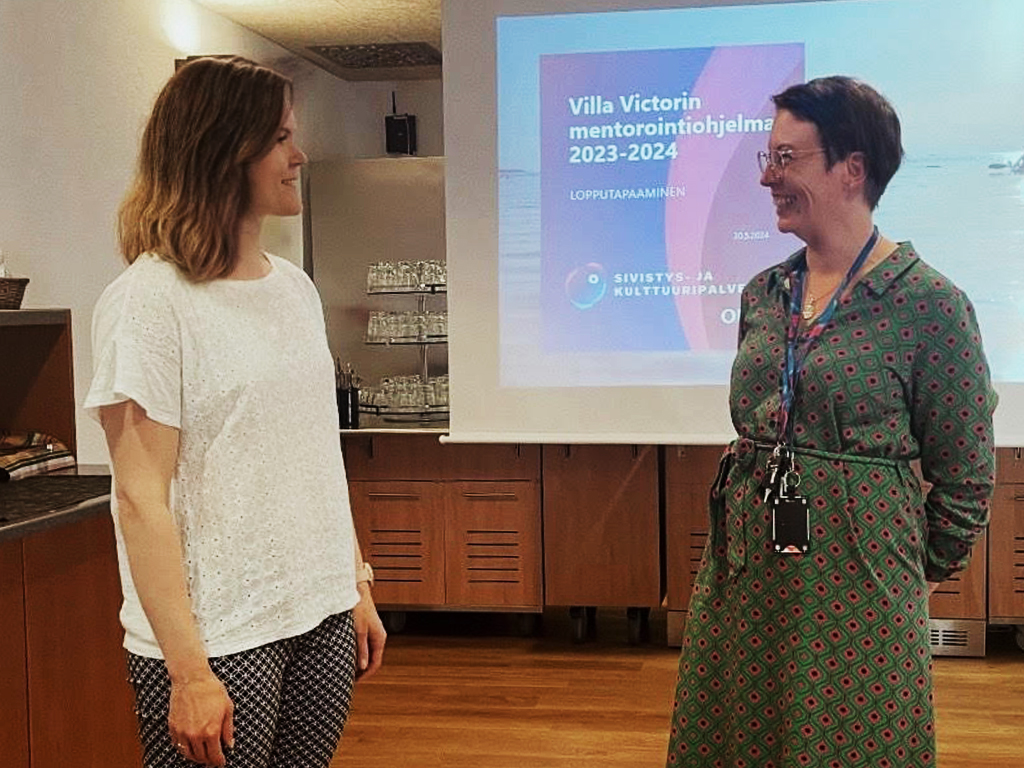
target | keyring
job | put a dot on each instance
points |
(791, 480)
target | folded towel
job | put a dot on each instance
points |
(29, 453)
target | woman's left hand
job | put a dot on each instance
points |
(370, 634)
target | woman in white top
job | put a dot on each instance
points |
(247, 606)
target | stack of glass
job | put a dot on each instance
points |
(406, 276)
(407, 394)
(391, 327)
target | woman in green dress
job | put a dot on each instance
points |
(807, 639)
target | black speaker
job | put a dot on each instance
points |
(400, 134)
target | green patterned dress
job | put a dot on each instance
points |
(823, 659)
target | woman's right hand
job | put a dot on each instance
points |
(201, 719)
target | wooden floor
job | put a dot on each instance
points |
(467, 691)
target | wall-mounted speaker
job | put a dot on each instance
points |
(400, 134)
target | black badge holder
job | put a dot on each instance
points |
(791, 525)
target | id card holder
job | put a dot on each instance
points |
(791, 525)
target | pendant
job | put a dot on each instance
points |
(808, 312)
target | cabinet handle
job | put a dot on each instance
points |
(409, 496)
(490, 496)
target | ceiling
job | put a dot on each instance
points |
(353, 39)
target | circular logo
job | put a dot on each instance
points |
(586, 285)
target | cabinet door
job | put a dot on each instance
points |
(401, 532)
(601, 526)
(13, 684)
(962, 596)
(493, 545)
(1006, 556)
(689, 472)
(80, 703)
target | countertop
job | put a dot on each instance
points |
(378, 425)
(45, 501)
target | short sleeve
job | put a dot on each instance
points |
(136, 342)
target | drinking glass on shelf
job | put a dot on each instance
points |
(405, 326)
(376, 326)
(433, 272)
(387, 392)
(374, 276)
(425, 396)
(406, 276)
(370, 396)
(436, 324)
(440, 389)
(429, 274)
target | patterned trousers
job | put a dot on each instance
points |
(291, 700)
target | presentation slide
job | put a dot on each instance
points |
(630, 214)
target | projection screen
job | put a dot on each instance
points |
(604, 212)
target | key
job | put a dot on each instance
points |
(773, 465)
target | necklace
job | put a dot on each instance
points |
(810, 310)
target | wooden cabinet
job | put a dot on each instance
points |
(493, 545)
(80, 703)
(689, 472)
(447, 526)
(1006, 541)
(400, 525)
(962, 595)
(506, 527)
(1006, 556)
(64, 696)
(602, 527)
(13, 681)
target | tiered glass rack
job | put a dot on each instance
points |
(417, 398)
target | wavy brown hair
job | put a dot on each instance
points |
(211, 120)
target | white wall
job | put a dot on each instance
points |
(78, 80)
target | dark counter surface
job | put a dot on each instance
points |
(378, 425)
(44, 501)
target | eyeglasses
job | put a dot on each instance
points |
(778, 159)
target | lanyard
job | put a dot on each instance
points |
(797, 347)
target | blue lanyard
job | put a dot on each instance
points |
(797, 347)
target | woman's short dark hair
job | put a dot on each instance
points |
(850, 116)
(212, 119)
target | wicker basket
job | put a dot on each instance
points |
(12, 290)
